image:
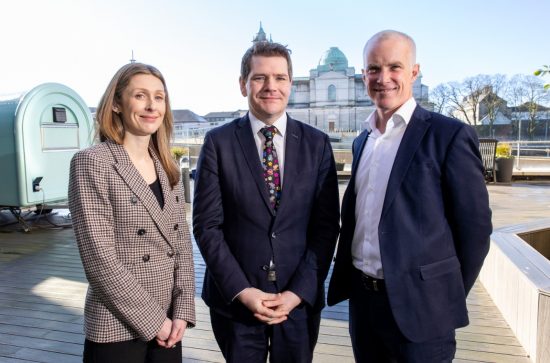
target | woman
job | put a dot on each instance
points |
(128, 214)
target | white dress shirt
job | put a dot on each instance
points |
(278, 139)
(371, 181)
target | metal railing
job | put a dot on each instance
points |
(194, 135)
(530, 148)
(530, 154)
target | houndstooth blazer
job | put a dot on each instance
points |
(137, 257)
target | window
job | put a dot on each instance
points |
(332, 93)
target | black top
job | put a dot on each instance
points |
(157, 191)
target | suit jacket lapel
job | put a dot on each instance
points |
(244, 135)
(359, 145)
(163, 218)
(348, 201)
(414, 133)
(292, 159)
(131, 176)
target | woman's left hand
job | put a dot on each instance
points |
(178, 328)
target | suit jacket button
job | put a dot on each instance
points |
(141, 232)
(265, 267)
(273, 235)
(146, 258)
(170, 254)
(176, 226)
(134, 200)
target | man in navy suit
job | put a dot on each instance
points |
(266, 219)
(415, 219)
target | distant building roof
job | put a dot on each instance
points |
(186, 116)
(225, 114)
(500, 119)
(527, 105)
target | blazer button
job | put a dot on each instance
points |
(134, 200)
(170, 254)
(141, 232)
(265, 267)
(146, 258)
(176, 226)
(273, 235)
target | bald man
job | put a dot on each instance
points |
(415, 219)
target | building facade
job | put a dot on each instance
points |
(334, 97)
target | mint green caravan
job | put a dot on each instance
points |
(39, 133)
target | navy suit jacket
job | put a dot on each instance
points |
(238, 231)
(434, 229)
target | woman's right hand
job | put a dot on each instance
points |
(164, 333)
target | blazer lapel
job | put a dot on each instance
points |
(137, 184)
(244, 135)
(359, 145)
(411, 140)
(163, 219)
(292, 155)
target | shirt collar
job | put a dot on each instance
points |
(406, 110)
(403, 113)
(257, 124)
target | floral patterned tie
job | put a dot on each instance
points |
(270, 163)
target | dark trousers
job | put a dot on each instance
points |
(376, 338)
(131, 351)
(292, 341)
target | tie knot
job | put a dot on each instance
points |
(269, 132)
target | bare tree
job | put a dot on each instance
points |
(527, 94)
(464, 97)
(439, 96)
(456, 102)
(492, 102)
(515, 94)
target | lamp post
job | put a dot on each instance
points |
(519, 141)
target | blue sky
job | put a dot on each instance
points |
(198, 45)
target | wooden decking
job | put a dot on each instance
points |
(42, 289)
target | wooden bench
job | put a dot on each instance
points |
(488, 149)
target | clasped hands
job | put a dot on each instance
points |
(171, 332)
(269, 308)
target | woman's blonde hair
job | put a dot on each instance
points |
(111, 126)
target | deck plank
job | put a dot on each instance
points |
(42, 290)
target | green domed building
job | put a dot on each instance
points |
(334, 98)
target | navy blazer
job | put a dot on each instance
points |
(434, 228)
(238, 231)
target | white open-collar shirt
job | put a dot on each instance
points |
(371, 182)
(278, 139)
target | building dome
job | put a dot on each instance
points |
(333, 60)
